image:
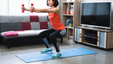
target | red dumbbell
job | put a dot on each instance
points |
(32, 5)
(22, 6)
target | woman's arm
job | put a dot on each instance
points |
(23, 8)
(38, 10)
(27, 9)
(54, 10)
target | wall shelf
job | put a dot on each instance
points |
(69, 27)
(67, 15)
(75, 17)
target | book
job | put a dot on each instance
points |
(67, 22)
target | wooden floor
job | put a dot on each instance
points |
(7, 56)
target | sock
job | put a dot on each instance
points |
(58, 52)
(49, 48)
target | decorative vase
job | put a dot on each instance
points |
(70, 25)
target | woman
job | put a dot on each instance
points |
(58, 29)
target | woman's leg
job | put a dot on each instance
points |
(53, 37)
(43, 36)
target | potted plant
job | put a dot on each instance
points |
(70, 23)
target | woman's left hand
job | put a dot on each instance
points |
(32, 8)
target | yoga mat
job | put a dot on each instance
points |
(34, 57)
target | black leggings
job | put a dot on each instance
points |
(52, 34)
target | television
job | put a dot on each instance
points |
(96, 14)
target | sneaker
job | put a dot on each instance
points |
(57, 55)
(47, 51)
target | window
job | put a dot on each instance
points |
(13, 7)
(3, 7)
(38, 4)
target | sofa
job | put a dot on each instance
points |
(21, 29)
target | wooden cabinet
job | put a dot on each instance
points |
(95, 37)
(75, 17)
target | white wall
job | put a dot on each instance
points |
(13, 7)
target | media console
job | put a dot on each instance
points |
(95, 37)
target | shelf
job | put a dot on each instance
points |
(89, 43)
(66, 7)
(68, 2)
(71, 2)
(69, 27)
(67, 15)
(65, 2)
(89, 37)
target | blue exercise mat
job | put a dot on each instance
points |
(33, 57)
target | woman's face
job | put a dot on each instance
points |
(50, 3)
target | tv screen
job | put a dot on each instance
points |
(96, 14)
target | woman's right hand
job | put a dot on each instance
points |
(23, 8)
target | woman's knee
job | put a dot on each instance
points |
(63, 32)
(52, 36)
(40, 33)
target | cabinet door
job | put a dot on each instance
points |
(78, 34)
(102, 39)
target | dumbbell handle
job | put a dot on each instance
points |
(32, 5)
(22, 6)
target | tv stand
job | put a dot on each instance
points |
(106, 29)
(88, 26)
(101, 38)
(95, 27)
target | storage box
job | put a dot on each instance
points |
(72, 7)
(71, 12)
(76, 0)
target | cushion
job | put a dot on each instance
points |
(23, 33)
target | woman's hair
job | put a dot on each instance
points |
(55, 4)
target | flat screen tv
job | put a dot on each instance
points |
(96, 14)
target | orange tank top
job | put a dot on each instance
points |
(55, 21)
